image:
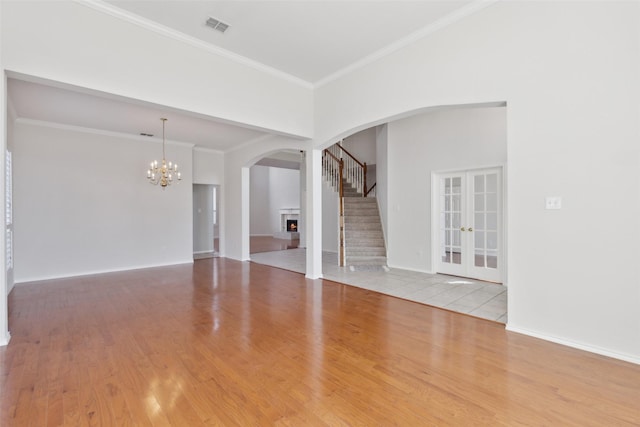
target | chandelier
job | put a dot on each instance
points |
(163, 173)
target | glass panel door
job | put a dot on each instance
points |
(451, 203)
(485, 207)
(470, 224)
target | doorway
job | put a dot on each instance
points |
(206, 200)
(470, 235)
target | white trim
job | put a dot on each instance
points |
(505, 229)
(435, 225)
(261, 235)
(416, 270)
(12, 115)
(580, 346)
(5, 340)
(204, 252)
(247, 143)
(441, 23)
(53, 125)
(157, 28)
(207, 150)
(150, 25)
(92, 272)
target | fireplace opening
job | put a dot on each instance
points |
(292, 225)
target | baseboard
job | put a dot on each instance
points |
(5, 341)
(417, 270)
(92, 272)
(590, 348)
(203, 252)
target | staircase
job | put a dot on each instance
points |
(361, 237)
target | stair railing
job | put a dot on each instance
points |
(338, 165)
(355, 172)
(371, 190)
(333, 170)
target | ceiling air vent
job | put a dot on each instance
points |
(217, 25)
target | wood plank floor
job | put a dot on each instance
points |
(222, 342)
(268, 244)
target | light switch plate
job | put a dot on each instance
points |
(553, 202)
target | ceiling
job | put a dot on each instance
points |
(311, 41)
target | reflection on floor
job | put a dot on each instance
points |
(474, 297)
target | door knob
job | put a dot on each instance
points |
(462, 229)
(470, 229)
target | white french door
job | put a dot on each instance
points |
(469, 208)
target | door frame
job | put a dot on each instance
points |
(435, 226)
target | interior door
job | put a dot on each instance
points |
(470, 224)
(452, 253)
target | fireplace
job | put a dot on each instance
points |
(288, 224)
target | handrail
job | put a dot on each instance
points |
(356, 171)
(326, 151)
(369, 190)
(351, 155)
(337, 168)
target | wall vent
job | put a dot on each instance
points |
(217, 24)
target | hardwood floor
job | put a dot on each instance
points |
(268, 244)
(222, 342)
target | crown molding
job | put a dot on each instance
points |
(441, 23)
(208, 150)
(147, 24)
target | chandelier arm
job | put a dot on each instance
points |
(163, 173)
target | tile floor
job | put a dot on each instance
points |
(474, 297)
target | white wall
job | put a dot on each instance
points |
(452, 139)
(208, 166)
(235, 203)
(382, 176)
(73, 43)
(81, 205)
(362, 145)
(284, 193)
(303, 204)
(330, 218)
(202, 218)
(569, 73)
(272, 189)
(260, 209)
